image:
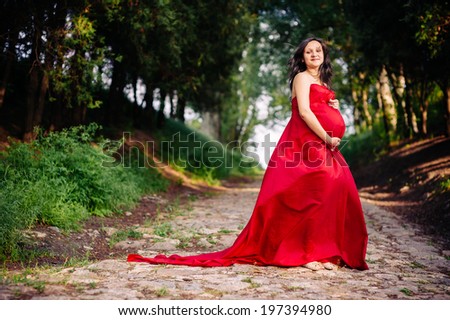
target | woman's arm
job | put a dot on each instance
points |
(301, 87)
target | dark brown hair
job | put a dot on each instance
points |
(297, 64)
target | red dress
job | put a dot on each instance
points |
(308, 208)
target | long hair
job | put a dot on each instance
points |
(296, 63)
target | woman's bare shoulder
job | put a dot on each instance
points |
(301, 84)
(301, 78)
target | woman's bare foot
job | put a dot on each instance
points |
(314, 266)
(330, 266)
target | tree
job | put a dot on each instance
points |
(387, 37)
(431, 20)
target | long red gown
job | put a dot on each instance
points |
(308, 208)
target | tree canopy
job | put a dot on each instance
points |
(64, 63)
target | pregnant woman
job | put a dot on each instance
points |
(308, 211)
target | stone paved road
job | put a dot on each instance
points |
(403, 264)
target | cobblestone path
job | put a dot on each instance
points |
(403, 263)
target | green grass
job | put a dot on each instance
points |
(26, 278)
(365, 147)
(251, 282)
(61, 179)
(293, 288)
(417, 265)
(163, 230)
(225, 231)
(211, 239)
(185, 242)
(122, 235)
(445, 184)
(78, 261)
(407, 292)
(161, 292)
(195, 154)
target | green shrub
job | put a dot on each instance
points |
(61, 179)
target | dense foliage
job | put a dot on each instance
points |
(61, 179)
(69, 62)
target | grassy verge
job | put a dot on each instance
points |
(201, 157)
(61, 179)
(365, 147)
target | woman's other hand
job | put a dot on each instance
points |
(334, 103)
(334, 142)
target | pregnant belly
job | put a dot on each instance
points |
(330, 119)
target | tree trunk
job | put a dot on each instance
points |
(381, 107)
(424, 113)
(361, 114)
(365, 105)
(135, 97)
(447, 100)
(57, 105)
(250, 122)
(210, 124)
(162, 103)
(403, 118)
(356, 112)
(137, 108)
(172, 106)
(387, 101)
(5, 80)
(57, 117)
(31, 102)
(37, 117)
(149, 111)
(9, 61)
(360, 96)
(423, 106)
(32, 85)
(115, 114)
(79, 114)
(412, 119)
(444, 84)
(181, 105)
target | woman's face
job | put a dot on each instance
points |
(313, 54)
